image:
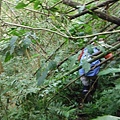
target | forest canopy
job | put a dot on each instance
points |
(40, 41)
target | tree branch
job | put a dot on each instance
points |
(71, 3)
(63, 35)
(92, 9)
(97, 34)
(107, 17)
(55, 51)
(31, 28)
(54, 5)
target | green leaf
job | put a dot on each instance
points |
(27, 42)
(117, 83)
(117, 86)
(12, 43)
(86, 66)
(109, 70)
(107, 117)
(8, 56)
(41, 78)
(101, 48)
(54, 9)
(72, 62)
(95, 16)
(52, 65)
(37, 4)
(90, 48)
(21, 5)
(13, 40)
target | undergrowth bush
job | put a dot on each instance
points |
(21, 98)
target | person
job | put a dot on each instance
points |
(87, 54)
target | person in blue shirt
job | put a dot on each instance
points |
(86, 55)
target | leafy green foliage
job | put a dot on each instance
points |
(8, 56)
(19, 42)
(37, 4)
(86, 66)
(109, 70)
(12, 43)
(21, 5)
(42, 31)
(110, 96)
(40, 78)
(107, 117)
(41, 75)
(90, 48)
(52, 65)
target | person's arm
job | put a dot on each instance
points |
(79, 57)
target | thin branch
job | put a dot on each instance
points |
(0, 15)
(0, 7)
(71, 3)
(57, 29)
(55, 51)
(7, 14)
(50, 39)
(63, 35)
(97, 34)
(54, 5)
(13, 12)
(31, 28)
(73, 9)
(27, 8)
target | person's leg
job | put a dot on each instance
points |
(93, 84)
(85, 82)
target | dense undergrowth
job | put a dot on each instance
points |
(21, 98)
(37, 82)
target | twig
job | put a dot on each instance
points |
(55, 51)
(13, 12)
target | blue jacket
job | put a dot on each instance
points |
(87, 55)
